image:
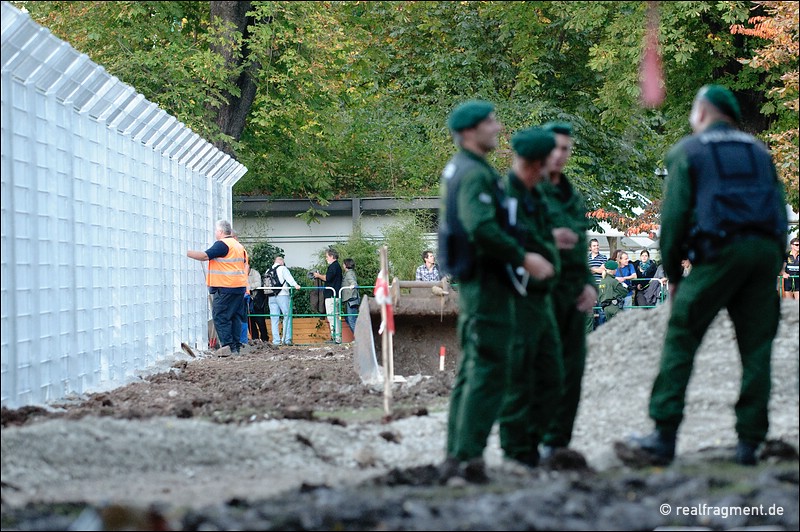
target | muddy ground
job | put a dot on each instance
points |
(290, 438)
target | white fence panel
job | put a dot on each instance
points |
(102, 194)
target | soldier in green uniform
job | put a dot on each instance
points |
(724, 210)
(535, 371)
(575, 292)
(477, 250)
(611, 292)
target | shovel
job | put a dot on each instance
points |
(188, 350)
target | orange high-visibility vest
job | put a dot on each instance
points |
(228, 271)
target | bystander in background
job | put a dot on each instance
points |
(791, 271)
(333, 283)
(428, 270)
(625, 274)
(350, 294)
(280, 303)
(596, 260)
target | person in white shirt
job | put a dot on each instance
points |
(279, 304)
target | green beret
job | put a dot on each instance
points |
(562, 128)
(611, 265)
(533, 143)
(469, 114)
(722, 99)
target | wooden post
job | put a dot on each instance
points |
(386, 339)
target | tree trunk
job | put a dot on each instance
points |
(613, 246)
(232, 116)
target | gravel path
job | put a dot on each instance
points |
(194, 463)
(623, 362)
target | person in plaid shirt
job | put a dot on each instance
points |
(429, 270)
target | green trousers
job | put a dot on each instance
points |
(535, 378)
(572, 331)
(742, 280)
(486, 322)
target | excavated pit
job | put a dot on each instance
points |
(425, 317)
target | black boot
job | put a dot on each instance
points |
(660, 445)
(448, 469)
(475, 471)
(472, 471)
(657, 448)
(746, 453)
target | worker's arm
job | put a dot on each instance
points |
(218, 249)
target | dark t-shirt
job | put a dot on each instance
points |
(217, 250)
(333, 278)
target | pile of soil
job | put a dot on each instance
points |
(290, 438)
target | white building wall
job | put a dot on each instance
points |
(102, 194)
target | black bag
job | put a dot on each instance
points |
(272, 282)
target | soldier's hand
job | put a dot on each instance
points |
(586, 298)
(565, 237)
(539, 267)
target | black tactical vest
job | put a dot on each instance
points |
(456, 253)
(735, 190)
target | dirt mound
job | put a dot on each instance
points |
(290, 438)
(291, 382)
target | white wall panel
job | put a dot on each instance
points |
(102, 194)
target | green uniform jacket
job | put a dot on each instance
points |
(609, 289)
(678, 208)
(535, 374)
(533, 230)
(487, 317)
(477, 212)
(567, 208)
(494, 246)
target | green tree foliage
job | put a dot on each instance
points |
(301, 299)
(292, 131)
(405, 242)
(364, 252)
(778, 60)
(160, 48)
(262, 256)
(351, 97)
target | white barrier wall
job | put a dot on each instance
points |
(102, 194)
